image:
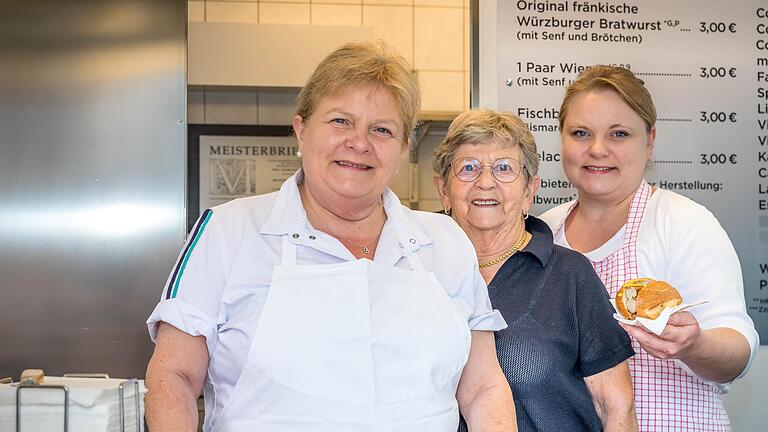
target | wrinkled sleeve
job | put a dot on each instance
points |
(191, 298)
(483, 317)
(471, 294)
(704, 266)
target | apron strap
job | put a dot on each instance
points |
(636, 214)
(289, 251)
(415, 261)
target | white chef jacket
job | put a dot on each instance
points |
(681, 242)
(222, 277)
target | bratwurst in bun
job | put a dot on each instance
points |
(646, 298)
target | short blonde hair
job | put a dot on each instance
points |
(622, 81)
(361, 64)
(481, 126)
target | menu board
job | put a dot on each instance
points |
(706, 64)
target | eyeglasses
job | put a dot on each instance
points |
(505, 170)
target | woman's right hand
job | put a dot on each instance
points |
(718, 354)
(679, 336)
(175, 377)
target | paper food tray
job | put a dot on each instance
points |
(655, 326)
(94, 405)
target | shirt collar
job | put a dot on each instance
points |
(410, 236)
(541, 244)
(288, 216)
(561, 225)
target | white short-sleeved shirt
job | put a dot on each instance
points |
(220, 282)
(682, 242)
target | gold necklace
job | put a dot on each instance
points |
(515, 247)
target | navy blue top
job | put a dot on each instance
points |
(561, 329)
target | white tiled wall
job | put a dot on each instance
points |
(226, 11)
(231, 106)
(283, 13)
(336, 14)
(442, 91)
(394, 24)
(438, 44)
(433, 35)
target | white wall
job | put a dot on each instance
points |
(433, 35)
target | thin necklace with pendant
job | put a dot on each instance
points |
(515, 247)
(365, 248)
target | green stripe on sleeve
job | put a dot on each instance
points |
(189, 253)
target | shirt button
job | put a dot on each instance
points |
(311, 237)
(295, 236)
(401, 245)
(413, 241)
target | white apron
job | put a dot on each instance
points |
(667, 396)
(367, 347)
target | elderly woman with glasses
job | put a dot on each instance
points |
(563, 353)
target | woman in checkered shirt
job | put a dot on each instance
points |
(629, 229)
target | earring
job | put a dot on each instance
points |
(447, 211)
(298, 153)
(525, 214)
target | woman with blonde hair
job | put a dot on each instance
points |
(328, 306)
(629, 229)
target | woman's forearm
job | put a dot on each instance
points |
(484, 396)
(492, 410)
(620, 420)
(719, 355)
(614, 401)
(175, 377)
(171, 404)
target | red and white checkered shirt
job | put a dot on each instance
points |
(667, 397)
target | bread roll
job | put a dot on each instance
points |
(646, 298)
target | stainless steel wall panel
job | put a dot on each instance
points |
(92, 175)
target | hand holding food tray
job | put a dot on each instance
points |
(649, 303)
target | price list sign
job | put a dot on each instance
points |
(706, 65)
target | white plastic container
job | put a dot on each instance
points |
(93, 405)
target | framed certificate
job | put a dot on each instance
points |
(225, 162)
